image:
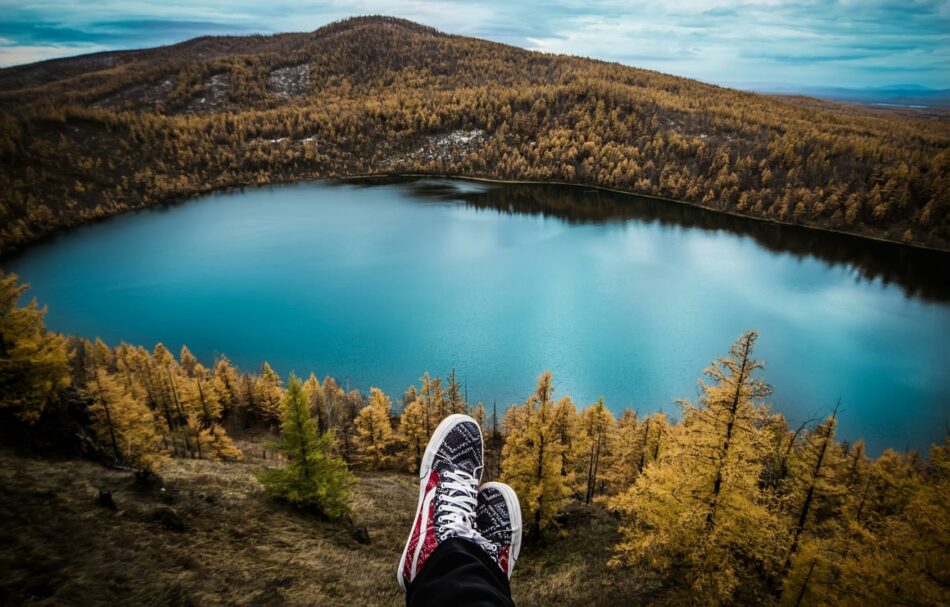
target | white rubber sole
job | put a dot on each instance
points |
(425, 467)
(514, 511)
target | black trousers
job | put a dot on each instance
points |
(459, 574)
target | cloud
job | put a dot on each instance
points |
(12, 54)
(810, 42)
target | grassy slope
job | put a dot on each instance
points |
(58, 546)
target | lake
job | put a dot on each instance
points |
(375, 282)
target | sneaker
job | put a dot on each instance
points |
(448, 493)
(498, 520)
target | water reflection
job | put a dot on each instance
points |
(918, 272)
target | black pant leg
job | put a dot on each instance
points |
(459, 574)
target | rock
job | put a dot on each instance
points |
(209, 498)
(168, 518)
(148, 480)
(105, 500)
(359, 533)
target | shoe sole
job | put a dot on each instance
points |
(514, 512)
(425, 468)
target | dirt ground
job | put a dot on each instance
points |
(206, 534)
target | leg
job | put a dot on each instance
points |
(459, 573)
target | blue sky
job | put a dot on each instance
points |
(849, 43)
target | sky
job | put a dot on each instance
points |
(744, 43)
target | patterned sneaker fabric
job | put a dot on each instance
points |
(493, 521)
(452, 484)
(461, 450)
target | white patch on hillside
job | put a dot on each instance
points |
(291, 81)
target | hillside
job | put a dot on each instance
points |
(205, 533)
(89, 137)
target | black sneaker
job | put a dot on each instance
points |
(449, 476)
(498, 520)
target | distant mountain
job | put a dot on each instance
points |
(906, 95)
(92, 136)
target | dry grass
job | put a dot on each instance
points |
(58, 546)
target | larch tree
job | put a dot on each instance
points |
(903, 557)
(815, 489)
(455, 402)
(478, 414)
(268, 393)
(532, 458)
(227, 384)
(318, 404)
(564, 426)
(696, 514)
(433, 398)
(595, 431)
(208, 409)
(313, 477)
(413, 431)
(374, 433)
(164, 371)
(622, 464)
(33, 361)
(123, 424)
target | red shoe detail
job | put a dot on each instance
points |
(503, 559)
(407, 573)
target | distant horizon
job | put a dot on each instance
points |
(745, 44)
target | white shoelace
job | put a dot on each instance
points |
(456, 510)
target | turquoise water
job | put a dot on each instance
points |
(618, 296)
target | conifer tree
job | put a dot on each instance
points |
(164, 372)
(207, 411)
(187, 361)
(227, 384)
(595, 429)
(624, 461)
(334, 398)
(455, 402)
(374, 434)
(409, 395)
(33, 361)
(412, 429)
(815, 483)
(268, 395)
(696, 513)
(313, 476)
(564, 426)
(318, 408)
(532, 458)
(122, 423)
(478, 414)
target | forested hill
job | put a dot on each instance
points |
(92, 136)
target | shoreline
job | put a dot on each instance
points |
(15, 251)
(693, 205)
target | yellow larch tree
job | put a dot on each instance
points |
(696, 515)
(413, 432)
(622, 463)
(374, 433)
(532, 458)
(33, 361)
(123, 424)
(268, 394)
(591, 447)
(318, 406)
